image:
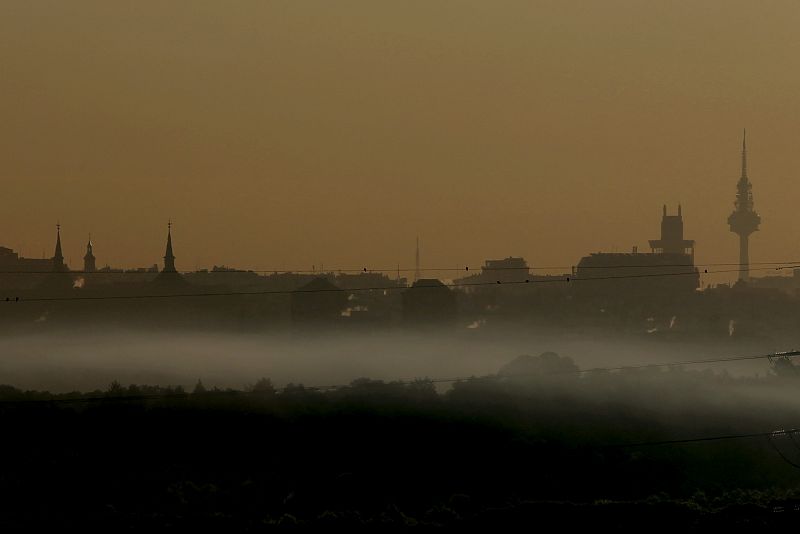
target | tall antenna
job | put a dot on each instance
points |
(416, 263)
(744, 220)
(744, 155)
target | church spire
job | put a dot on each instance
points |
(58, 257)
(169, 257)
(89, 259)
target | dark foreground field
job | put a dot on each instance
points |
(566, 449)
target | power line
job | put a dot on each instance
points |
(723, 437)
(794, 442)
(548, 280)
(372, 270)
(780, 452)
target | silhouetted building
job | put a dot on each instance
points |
(744, 220)
(169, 279)
(787, 284)
(12, 263)
(58, 258)
(111, 276)
(318, 301)
(18, 273)
(429, 301)
(169, 257)
(225, 277)
(59, 280)
(510, 269)
(672, 241)
(89, 265)
(506, 270)
(668, 269)
(41, 275)
(636, 274)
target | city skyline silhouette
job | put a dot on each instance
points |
(426, 264)
(537, 130)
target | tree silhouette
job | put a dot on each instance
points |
(264, 387)
(199, 388)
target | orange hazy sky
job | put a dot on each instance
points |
(282, 134)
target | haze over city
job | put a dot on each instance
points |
(286, 135)
(358, 265)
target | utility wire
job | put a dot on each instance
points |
(794, 442)
(782, 264)
(723, 437)
(549, 280)
(779, 451)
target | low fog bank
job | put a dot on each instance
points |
(84, 360)
(535, 431)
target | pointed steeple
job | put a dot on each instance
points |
(58, 257)
(89, 259)
(169, 257)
